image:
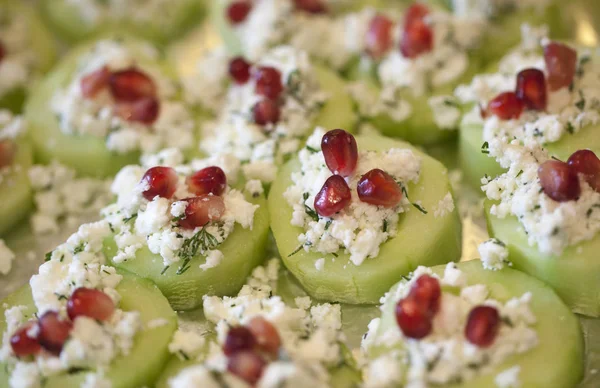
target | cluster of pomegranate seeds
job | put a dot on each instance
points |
(531, 89)
(561, 64)
(333, 197)
(8, 150)
(268, 82)
(379, 36)
(483, 324)
(417, 35)
(415, 312)
(377, 187)
(311, 6)
(340, 152)
(239, 70)
(559, 180)
(91, 303)
(131, 85)
(209, 180)
(507, 106)
(160, 181)
(238, 11)
(201, 210)
(143, 111)
(22, 344)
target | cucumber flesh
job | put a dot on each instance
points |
(16, 196)
(422, 239)
(338, 111)
(149, 354)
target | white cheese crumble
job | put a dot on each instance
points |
(6, 258)
(186, 345)
(444, 207)
(508, 378)
(494, 254)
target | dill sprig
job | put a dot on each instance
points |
(202, 241)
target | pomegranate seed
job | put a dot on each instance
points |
(201, 210)
(531, 89)
(161, 181)
(131, 85)
(561, 65)
(209, 180)
(22, 344)
(417, 39)
(311, 6)
(506, 106)
(239, 338)
(91, 303)
(266, 112)
(8, 150)
(246, 365)
(377, 187)
(482, 326)
(379, 36)
(267, 337)
(54, 332)
(559, 181)
(94, 82)
(143, 111)
(238, 11)
(340, 152)
(413, 318)
(586, 163)
(2, 51)
(239, 70)
(268, 82)
(426, 290)
(415, 13)
(333, 197)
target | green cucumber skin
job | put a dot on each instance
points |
(366, 283)
(574, 275)
(338, 111)
(564, 352)
(243, 250)
(142, 366)
(16, 196)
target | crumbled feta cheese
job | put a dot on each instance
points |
(444, 207)
(96, 380)
(494, 254)
(186, 344)
(255, 188)
(508, 378)
(320, 264)
(6, 258)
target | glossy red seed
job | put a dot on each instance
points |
(267, 337)
(417, 39)
(238, 11)
(239, 338)
(247, 365)
(586, 163)
(8, 150)
(340, 152)
(377, 187)
(131, 85)
(426, 290)
(506, 106)
(22, 344)
(145, 110)
(561, 65)
(94, 82)
(413, 318)
(266, 112)
(268, 82)
(311, 6)
(531, 89)
(159, 181)
(201, 210)
(415, 13)
(333, 197)
(2, 51)
(91, 303)
(239, 70)
(54, 332)
(209, 180)
(379, 36)
(559, 181)
(482, 326)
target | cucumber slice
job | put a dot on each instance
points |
(564, 352)
(338, 111)
(422, 239)
(150, 352)
(575, 274)
(16, 196)
(243, 250)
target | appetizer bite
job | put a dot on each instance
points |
(106, 103)
(351, 216)
(80, 323)
(186, 227)
(463, 326)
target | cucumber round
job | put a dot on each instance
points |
(149, 354)
(422, 239)
(338, 110)
(16, 196)
(564, 352)
(243, 250)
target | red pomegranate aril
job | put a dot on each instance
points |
(22, 344)
(333, 197)
(247, 365)
(131, 85)
(160, 181)
(561, 65)
(238, 11)
(53, 332)
(268, 82)
(201, 210)
(266, 112)
(415, 13)
(377, 187)
(531, 89)
(506, 106)
(413, 318)
(311, 6)
(91, 303)
(559, 181)
(8, 150)
(417, 39)
(267, 337)
(145, 110)
(340, 152)
(379, 36)
(586, 163)
(426, 290)
(94, 82)
(482, 326)
(239, 70)
(239, 338)
(209, 180)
